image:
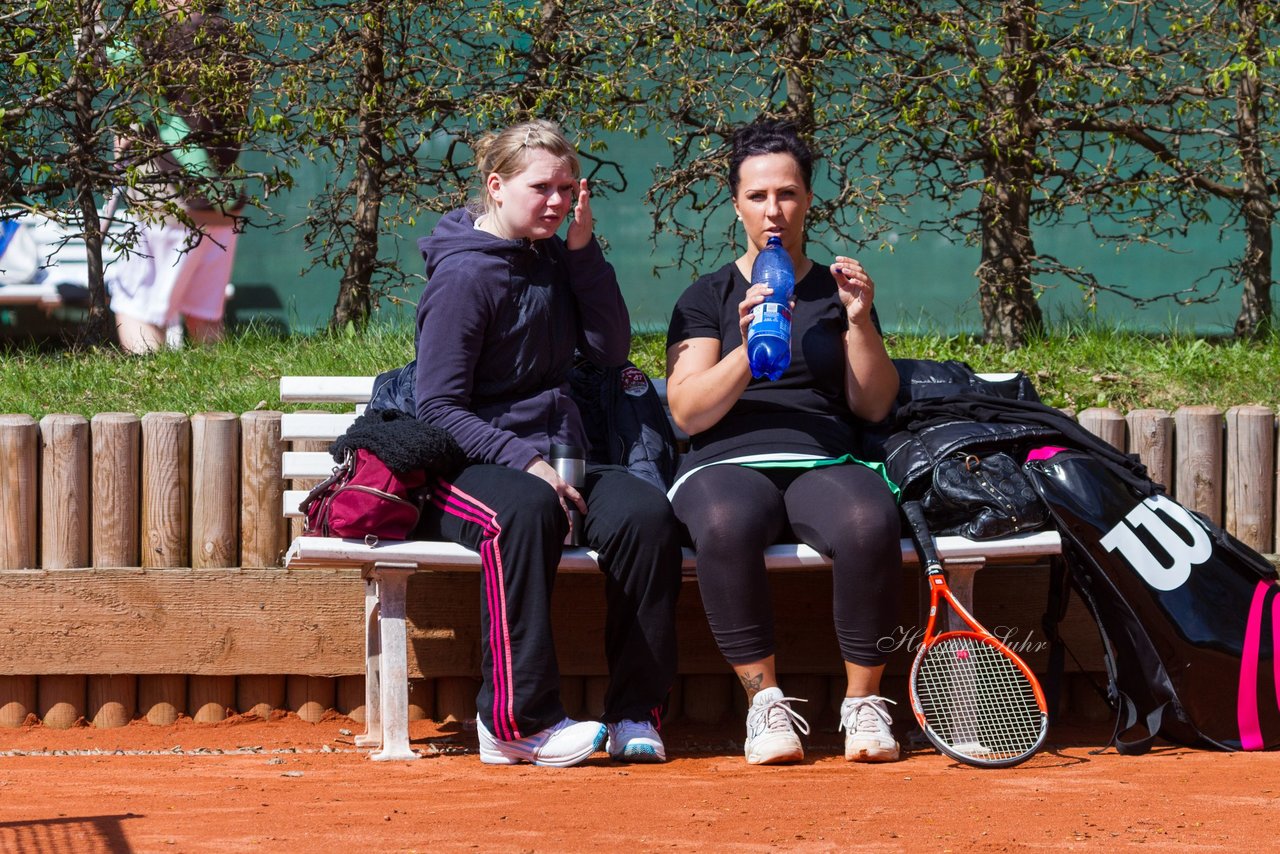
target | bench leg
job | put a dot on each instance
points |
(372, 668)
(960, 580)
(392, 581)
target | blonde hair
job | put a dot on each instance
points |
(507, 152)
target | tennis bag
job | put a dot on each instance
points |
(1180, 604)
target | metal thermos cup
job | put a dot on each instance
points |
(570, 463)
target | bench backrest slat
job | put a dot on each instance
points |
(325, 426)
(311, 464)
(326, 389)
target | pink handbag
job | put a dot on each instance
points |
(364, 499)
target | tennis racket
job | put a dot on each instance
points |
(975, 699)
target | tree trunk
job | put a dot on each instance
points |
(355, 293)
(799, 76)
(1254, 320)
(542, 57)
(1010, 312)
(97, 328)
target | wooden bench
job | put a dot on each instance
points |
(386, 565)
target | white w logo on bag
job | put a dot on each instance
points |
(1154, 515)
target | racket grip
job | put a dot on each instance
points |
(921, 537)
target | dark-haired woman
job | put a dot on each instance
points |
(771, 460)
(506, 303)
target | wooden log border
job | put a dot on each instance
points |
(205, 491)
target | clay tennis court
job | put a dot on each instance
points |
(246, 785)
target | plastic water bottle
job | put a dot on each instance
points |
(769, 335)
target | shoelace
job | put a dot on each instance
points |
(777, 712)
(872, 709)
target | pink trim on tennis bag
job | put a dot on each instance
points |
(1180, 604)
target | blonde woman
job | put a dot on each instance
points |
(506, 303)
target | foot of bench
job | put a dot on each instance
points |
(960, 580)
(372, 668)
(392, 580)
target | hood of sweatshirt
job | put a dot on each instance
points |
(456, 232)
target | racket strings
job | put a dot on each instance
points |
(978, 701)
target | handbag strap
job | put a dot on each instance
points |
(341, 473)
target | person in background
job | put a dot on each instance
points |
(770, 461)
(506, 302)
(179, 270)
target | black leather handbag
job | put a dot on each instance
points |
(982, 497)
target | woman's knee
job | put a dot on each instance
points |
(642, 515)
(847, 509)
(650, 509)
(522, 501)
(538, 504)
(718, 510)
(879, 522)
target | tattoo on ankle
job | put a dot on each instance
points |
(751, 682)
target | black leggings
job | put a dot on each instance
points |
(846, 512)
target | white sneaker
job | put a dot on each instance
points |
(771, 729)
(867, 733)
(564, 744)
(635, 741)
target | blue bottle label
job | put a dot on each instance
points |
(771, 318)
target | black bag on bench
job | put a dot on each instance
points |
(981, 497)
(961, 470)
(935, 429)
(625, 421)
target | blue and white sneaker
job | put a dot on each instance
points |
(561, 745)
(635, 741)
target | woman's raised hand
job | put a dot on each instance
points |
(857, 291)
(583, 223)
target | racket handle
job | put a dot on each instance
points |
(921, 537)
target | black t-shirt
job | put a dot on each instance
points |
(804, 411)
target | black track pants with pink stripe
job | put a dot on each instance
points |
(514, 520)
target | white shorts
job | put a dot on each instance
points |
(162, 279)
